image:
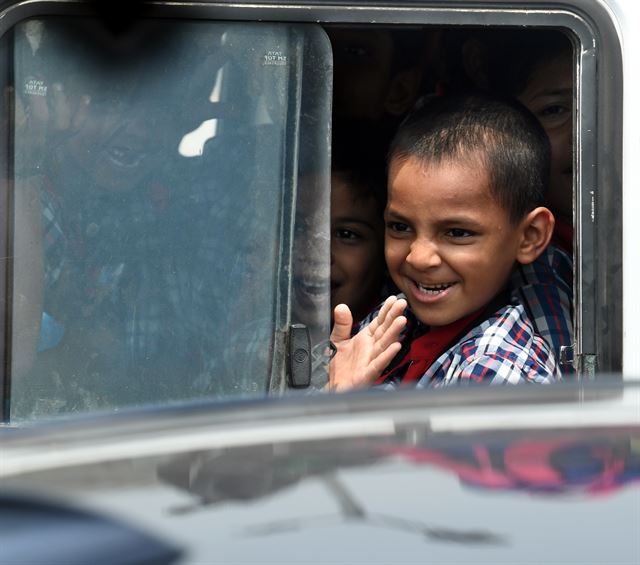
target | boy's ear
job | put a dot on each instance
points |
(536, 229)
(403, 91)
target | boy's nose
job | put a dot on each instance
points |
(424, 255)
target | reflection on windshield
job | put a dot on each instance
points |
(353, 511)
(593, 465)
(583, 465)
(152, 190)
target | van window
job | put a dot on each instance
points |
(168, 198)
(381, 71)
(160, 191)
(396, 70)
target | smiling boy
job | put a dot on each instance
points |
(467, 179)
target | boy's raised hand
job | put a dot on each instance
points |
(359, 360)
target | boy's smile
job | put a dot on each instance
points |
(450, 247)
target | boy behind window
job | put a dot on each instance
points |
(467, 179)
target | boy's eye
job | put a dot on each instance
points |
(554, 114)
(553, 110)
(346, 234)
(397, 227)
(459, 233)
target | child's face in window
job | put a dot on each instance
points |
(112, 133)
(549, 96)
(357, 255)
(449, 246)
(310, 253)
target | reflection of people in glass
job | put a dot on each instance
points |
(311, 300)
(113, 260)
(310, 252)
(592, 465)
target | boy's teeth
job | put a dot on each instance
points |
(433, 289)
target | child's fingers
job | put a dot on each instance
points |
(396, 309)
(342, 324)
(382, 314)
(386, 348)
(385, 357)
(391, 334)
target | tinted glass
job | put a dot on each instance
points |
(154, 210)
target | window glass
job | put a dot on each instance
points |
(382, 73)
(154, 210)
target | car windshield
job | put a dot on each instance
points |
(160, 189)
(447, 474)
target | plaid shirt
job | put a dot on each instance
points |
(545, 289)
(503, 349)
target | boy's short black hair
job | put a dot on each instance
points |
(500, 134)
